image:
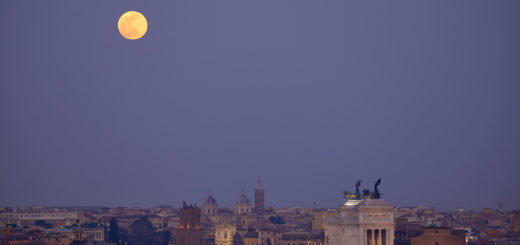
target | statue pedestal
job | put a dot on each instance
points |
(353, 202)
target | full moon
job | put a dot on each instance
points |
(132, 25)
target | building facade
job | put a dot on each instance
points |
(438, 236)
(224, 234)
(24, 217)
(319, 217)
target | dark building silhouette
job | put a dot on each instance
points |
(401, 231)
(516, 220)
(259, 198)
(189, 232)
(439, 236)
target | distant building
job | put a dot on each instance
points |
(302, 238)
(259, 199)
(401, 231)
(486, 213)
(189, 232)
(270, 236)
(158, 222)
(78, 237)
(90, 236)
(250, 238)
(210, 206)
(500, 207)
(224, 234)
(516, 220)
(361, 222)
(266, 236)
(242, 205)
(439, 236)
(319, 217)
(29, 216)
(56, 240)
(239, 216)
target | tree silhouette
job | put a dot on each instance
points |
(276, 220)
(113, 233)
(162, 237)
(142, 232)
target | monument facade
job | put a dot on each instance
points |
(368, 221)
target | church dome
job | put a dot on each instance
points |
(243, 200)
(210, 200)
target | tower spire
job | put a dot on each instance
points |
(259, 185)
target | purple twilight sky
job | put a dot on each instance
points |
(311, 95)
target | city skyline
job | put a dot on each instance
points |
(310, 95)
(229, 204)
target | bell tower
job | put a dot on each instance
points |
(189, 231)
(259, 199)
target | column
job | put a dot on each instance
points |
(388, 241)
(362, 237)
(391, 236)
(372, 236)
(365, 238)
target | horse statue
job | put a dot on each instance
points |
(358, 194)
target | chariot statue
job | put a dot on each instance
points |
(354, 196)
(367, 194)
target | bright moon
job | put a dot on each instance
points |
(132, 25)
